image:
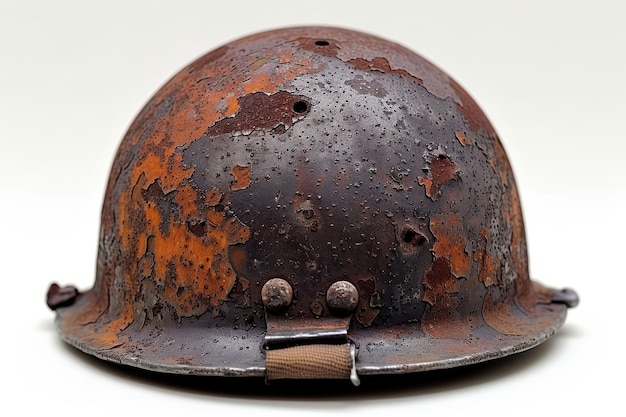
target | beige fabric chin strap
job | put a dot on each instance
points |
(315, 361)
(309, 362)
(309, 348)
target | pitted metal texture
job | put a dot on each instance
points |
(312, 156)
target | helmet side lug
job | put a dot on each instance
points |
(58, 296)
(566, 296)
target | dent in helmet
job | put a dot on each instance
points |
(411, 237)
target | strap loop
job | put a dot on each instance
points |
(309, 348)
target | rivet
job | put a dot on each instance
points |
(276, 294)
(342, 297)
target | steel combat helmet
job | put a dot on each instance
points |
(310, 203)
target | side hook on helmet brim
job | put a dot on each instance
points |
(566, 296)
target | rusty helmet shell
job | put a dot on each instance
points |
(310, 156)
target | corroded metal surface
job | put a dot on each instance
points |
(313, 155)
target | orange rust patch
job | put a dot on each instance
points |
(258, 83)
(442, 317)
(461, 138)
(196, 271)
(191, 259)
(146, 167)
(149, 170)
(242, 177)
(186, 197)
(213, 197)
(439, 283)
(442, 170)
(91, 306)
(81, 322)
(450, 243)
(428, 185)
(488, 266)
(227, 106)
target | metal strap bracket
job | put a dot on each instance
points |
(309, 349)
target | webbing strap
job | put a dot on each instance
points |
(309, 348)
(309, 362)
(316, 361)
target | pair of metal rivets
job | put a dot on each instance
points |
(342, 296)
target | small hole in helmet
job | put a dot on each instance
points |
(413, 238)
(300, 106)
(322, 43)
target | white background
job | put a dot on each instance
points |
(551, 75)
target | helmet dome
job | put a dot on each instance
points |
(310, 203)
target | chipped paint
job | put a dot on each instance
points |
(460, 136)
(242, 177)
(297, 154)
(260, 111)
(442, 317)
(441, 170)
(450, 242)
(488, 265)
(369, 304)
(379, 64)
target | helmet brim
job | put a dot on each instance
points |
(195, 349)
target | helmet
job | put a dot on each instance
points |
(310, 203)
